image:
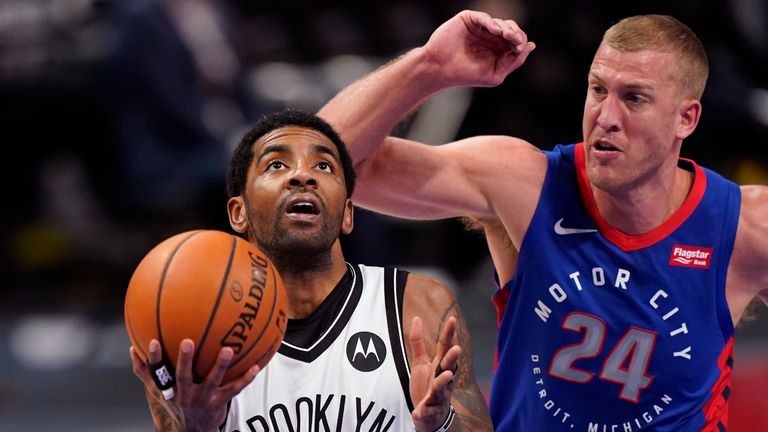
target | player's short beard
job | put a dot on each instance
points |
(291, 252)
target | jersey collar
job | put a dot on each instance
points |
(628, 242)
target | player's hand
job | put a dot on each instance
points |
(193, 407)
(475, 49)
(431, 379)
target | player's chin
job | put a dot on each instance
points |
(307, 238)
(612, 180)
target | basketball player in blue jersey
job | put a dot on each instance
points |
(343, 364)
(634, 265)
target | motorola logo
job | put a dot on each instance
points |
(366, 351)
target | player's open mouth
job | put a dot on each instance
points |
(305, 207)
(605, 146)
(604, 150)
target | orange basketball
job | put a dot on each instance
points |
(212, 287)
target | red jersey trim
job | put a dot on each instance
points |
(627, 242)
(500, 299)
(716, 408)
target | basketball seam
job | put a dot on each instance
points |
(160, 290)
(199, 347)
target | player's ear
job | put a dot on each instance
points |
(238, 217)
(348, 221)
(690, 113)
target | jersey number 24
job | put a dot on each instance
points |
(626, 364)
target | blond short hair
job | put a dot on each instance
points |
(664, 33)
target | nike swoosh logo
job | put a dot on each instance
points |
(561, 230)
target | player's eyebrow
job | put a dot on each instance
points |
(324, 149)
(271, 148)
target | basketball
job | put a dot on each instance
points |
(214, 288)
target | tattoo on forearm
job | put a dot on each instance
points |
(472, 410)
(161, 417)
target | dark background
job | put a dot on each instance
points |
(118, 118)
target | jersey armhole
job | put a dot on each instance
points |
(728, 239)
(394, 287)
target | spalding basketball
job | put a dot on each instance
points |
(214, 288)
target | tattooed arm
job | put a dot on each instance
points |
(438, 333)
(160, 415)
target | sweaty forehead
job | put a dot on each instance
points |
(288, 136)
(642, 64)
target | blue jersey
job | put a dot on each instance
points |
(600, 331)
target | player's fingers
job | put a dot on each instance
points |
(232, 388)
(184, 368)
(158, 370)
(513, 60)
(481, 23)
(482, 20)
(522, 55)
(140, 368)
(449, 361)
(440, 390)
(521, 39)
(416, 340)
(154, 354)
(514, 37)
(508, 32)
(216, 374)
(445, 341)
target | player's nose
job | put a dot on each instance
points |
(609, 115)
(302, 176)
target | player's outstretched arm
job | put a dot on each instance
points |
(440, 357)
(413, 180)
(194, 407)
(470, 49)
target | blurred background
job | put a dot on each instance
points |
(120, 116)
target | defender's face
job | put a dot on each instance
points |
(295, 194)
(634, 119)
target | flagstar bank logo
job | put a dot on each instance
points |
(366, 351)
(690, 256)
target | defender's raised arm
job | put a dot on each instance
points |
(470, 49)
(409, 179)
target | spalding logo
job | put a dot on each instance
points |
(238, 333)
(366, 351)
(236, 291)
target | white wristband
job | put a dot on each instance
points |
(448, 420)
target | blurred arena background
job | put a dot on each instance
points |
(119, 117)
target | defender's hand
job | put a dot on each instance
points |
(475, 49)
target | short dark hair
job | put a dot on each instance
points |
(237, 173)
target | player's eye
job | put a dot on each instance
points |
(324, 166)
(635, 98)
(597, 90)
